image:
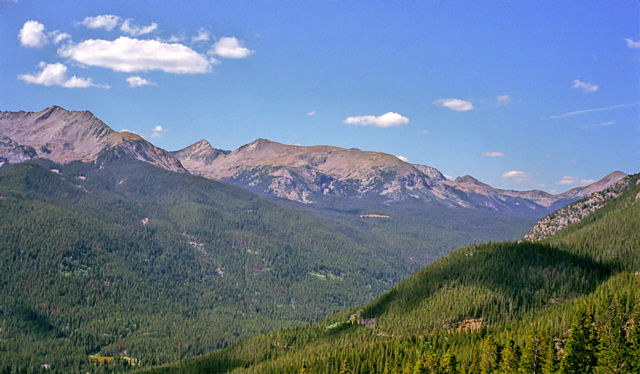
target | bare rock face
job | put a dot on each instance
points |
(578, 210)
(303, 173)
(64, 136)
(307, 173)
(13, 153)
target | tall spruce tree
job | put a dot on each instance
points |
(580, 350)
(613, 352)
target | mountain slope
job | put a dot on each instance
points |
(64, 136)
(475, 302)
(311, 174)
(579, 210)
(120, 255)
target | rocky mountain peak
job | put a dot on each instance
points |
(63, 136)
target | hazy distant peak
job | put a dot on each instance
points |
(470, 180)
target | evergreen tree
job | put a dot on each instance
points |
(510, 358)
(634, 344)
(490, 358)
(304, 369)
(344, 369)
(449, 363)
(580, 350)
(613, 353)
(533, 353)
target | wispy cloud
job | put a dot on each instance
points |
(136, 81)
(103, 21)
(457, 105)
(157, 131)
(503, 100)
(57, 75)
(128, 27)
(494, 154)
(402, 158)
(203, 36)
(632, 44)
(311, 113)
(595, 125)
(390, 119)
(586, 111)
(425, 132)
(517, 176)
(585, 87)
(568, 180)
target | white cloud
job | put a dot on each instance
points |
(58, 36)
(585, 111)
(134, 30)
(601, 124)
(157, 131)
(311, 113)
(568, 180)
(503, 100)
(632, 44)
(389, 119)
(454, 104)
(230, 47)
(494, 154)
(133, 55)
(585, 87)
(56, 75)
(517, 176)
(424, 132)
(33, 35)
(135, 81)
(173, 39)
(103, 21)
(203, 36)
(402, 158)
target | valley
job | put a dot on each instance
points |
(113, 247)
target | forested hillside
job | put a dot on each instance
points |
(567, 304)
(121, 258)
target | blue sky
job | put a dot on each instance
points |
(519, 94)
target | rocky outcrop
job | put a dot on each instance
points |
(13, 153)
(63, 136)
(577, 211)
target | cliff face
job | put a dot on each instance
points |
(64, 136)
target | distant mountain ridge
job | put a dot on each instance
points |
(305, 174)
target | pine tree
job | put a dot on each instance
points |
(510, 358)
(490, 358)
(344, 369)
(449, 363)
(581, 347)
(304, 369)
(533, 353)
(613, 354)
(634, 344)
(550, 359)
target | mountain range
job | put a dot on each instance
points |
(305, 174)
(114, 246)
(565, 304)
